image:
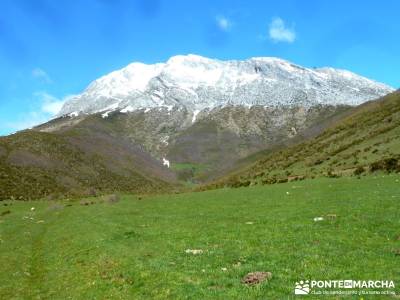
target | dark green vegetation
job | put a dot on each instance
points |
(187, 172)
(76, 162)
(135, 249)
(366, 140)
(87, 155)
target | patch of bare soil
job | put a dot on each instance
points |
(256, 278)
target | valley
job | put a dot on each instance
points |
(117, 134)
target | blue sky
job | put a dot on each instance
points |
(51, 49)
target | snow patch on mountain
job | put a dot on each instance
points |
(197, 83)
(195, 113)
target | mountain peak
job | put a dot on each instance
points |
(197, 83)
(188, 58)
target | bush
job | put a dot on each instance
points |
(391, 164)
(238, 184)
(359, 170)
(245, 183)
(87, 202)
(272, 180)
(375, 166)
(283, 180)
(318, 162)
(5, 213)
(330, 174)
(388, 165)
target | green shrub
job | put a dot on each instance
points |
(330, 174)
(359, 170)
(389, 165)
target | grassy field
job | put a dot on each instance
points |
(135, 249)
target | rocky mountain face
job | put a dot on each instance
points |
(198, 83)
(203, 114)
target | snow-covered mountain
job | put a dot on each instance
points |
(210, 114)
(197, 83)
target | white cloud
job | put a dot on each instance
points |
(26, 121)
(42, 75)
(278, 32)
(223, 23)
(48, 107)
(50, 104)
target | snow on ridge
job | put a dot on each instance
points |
(195, 113)
(199, 83)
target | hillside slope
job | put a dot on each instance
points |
(76, 162)
(367, 139)
(212, 144)
(78, 155)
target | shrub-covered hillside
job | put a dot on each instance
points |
(366, 140)
(37, 164)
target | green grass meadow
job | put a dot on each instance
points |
(135, 248)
